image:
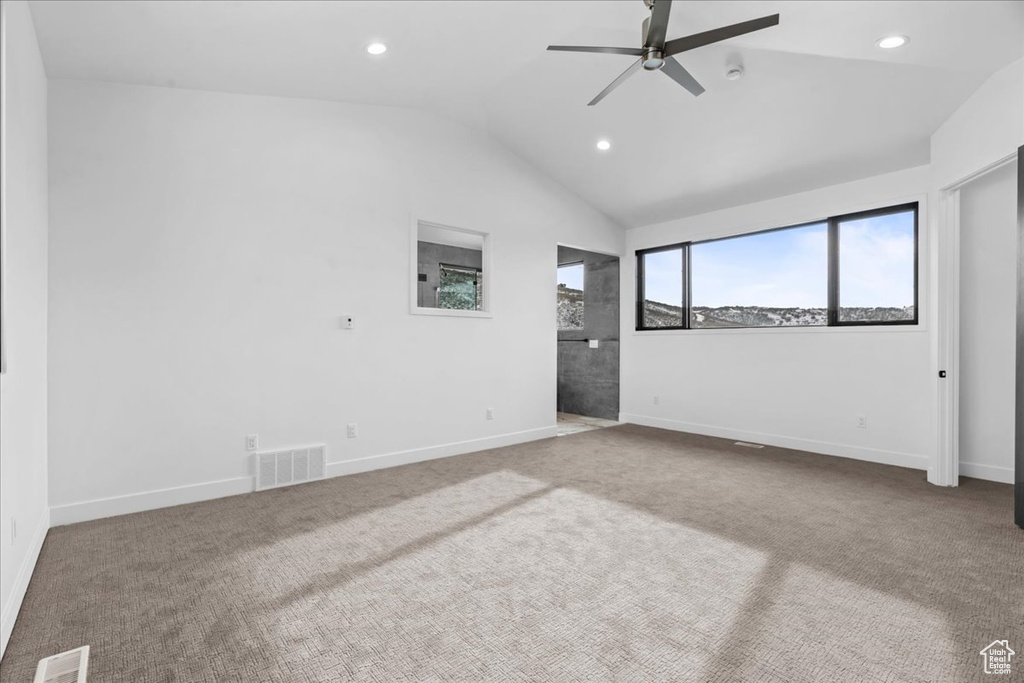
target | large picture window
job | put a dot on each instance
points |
(768, 279)
(857, 269)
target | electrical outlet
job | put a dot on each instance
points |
(862, 422)
(252, 442)
(352, 430)
(490, 413)
(657, 400)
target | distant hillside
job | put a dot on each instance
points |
(570, 308)
(667, 315)
(571, 312)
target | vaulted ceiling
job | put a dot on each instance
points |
(820, 103)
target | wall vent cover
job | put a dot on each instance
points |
(67, 667)
(291, 466)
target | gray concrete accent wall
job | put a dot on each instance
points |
(588, 379)
(430, 256)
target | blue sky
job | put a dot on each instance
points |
(788, 268)
(571, 276)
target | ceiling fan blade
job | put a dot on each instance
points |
(658, 30)
(616, 83)
(674, 47)
(680, 75)
(631, 51)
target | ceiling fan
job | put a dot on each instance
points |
(657, 52)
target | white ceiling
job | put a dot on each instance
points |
(819, 104)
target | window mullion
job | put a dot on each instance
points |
(687, 301)
(640, 322)
(832, 316)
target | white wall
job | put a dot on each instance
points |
(801, 388)
(23, 502)
(986, 128)
(988, 286)
(203, 247)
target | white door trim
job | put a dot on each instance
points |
(946, 471)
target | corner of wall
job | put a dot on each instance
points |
(12, 606)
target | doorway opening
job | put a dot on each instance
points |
(987, 325)
(588, 340)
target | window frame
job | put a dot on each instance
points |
(834, 298)
(832, 284)
(640, 254)
(487, 263)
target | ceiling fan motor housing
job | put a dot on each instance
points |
(653, 57)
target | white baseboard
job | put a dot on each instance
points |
(917, 462)
(148, 500)
(379, 462)
(13, 606)
(1004, 475)
(152, 500)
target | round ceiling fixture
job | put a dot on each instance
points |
(604, 145)
(734, 73)
(890, 42)
(376, 48)
(653, 59)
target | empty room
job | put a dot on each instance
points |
(511, 340)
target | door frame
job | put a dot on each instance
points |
(603, 252)
(945, 470)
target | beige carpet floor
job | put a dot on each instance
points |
(623, 554)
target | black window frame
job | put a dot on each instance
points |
(833, 256)
(834, 263)
(685, 247)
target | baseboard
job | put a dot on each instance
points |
(917, 462)
(380, 462)
(21, 581)
(152, 500)
(1003, 475)
(148, 500)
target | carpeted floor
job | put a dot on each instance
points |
(623, 554)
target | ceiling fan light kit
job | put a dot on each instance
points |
(658, 54)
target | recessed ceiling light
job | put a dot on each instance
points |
(604, 145)
(376, 48)
(889, 42)
(734, 73)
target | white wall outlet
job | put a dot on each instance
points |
(352, 430)
(252, 442)
(348, 322)
(490, 413)
(657, 400)
(594, 343)
(862, 422)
